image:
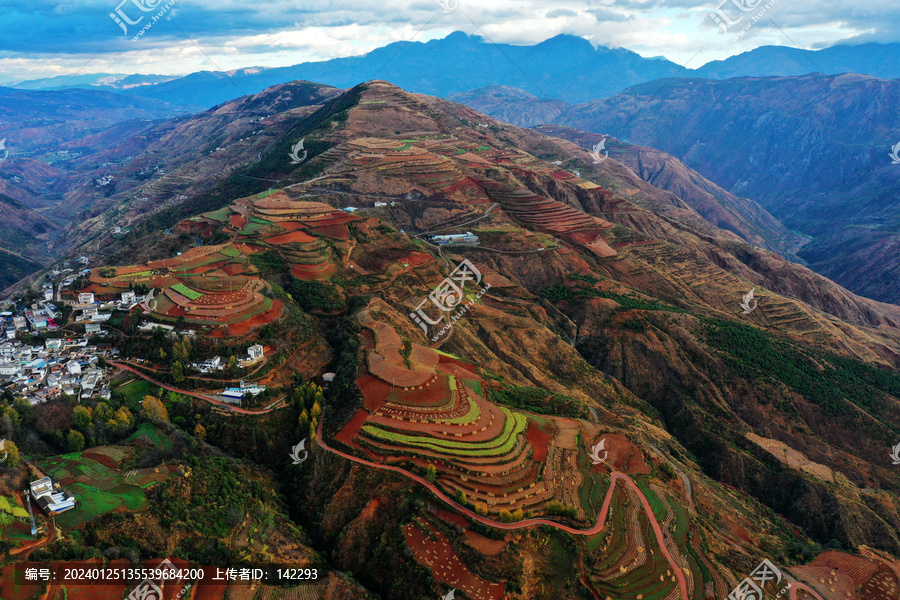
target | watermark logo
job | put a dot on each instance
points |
(595, 452)
(4, 451)
(148, 589)
(6, 152)
(296, 450)
(448, 297)
(723, 20)
(895, 455)
(595, 153)
(895, 154)
(123, 20)
(749, 303)
(448, 6)
(751, 588)
(296, 159)
(450, 595)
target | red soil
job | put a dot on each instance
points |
(435, 553)
(623, 455)
(104, 460)
(415, 259)
(484, 545)
(457, 367)
(540, 440)
(584, 237)
(374, 391)
(348, 432)
(338, 232)
(238, 222)
(242, 329)
(311, 272)
(233, 269)
(451, 517)
(294, 236)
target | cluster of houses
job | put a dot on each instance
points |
(58, 366)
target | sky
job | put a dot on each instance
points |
(50, 38)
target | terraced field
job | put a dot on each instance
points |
(210, 286)
(300, 231)
(426, 410)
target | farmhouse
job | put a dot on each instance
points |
(50, 497)
(85, 298)
(255, 354)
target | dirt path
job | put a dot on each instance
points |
(224, 405)
(615, 477)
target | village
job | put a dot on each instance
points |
(40, 360)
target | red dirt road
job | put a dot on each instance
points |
(597, 528)
(236, 409)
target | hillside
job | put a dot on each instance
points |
(573, 406)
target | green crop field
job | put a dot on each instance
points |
(151, 434)
(186, 291)
(502, 444)
(136, 390)
(471, 415)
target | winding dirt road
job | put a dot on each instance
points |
(615, 477)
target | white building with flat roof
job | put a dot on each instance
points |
(51, 499)
(85, 298)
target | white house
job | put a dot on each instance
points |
(49, 499)
(53, 344)
(129, 297)
(73, 367)
(9, 369)
(92, 328)
(85, 298)
(255, 353)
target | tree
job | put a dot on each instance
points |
(103, 412)
(232, 365)
(121, 421)
(177, 372)
(154, 410)
(481, 508)
(12, 454)
(25, 410)
(461, 498)
(431, 473)
(518, 515)
(81, 417)
(76, 441)
(303, 420)
(316, 410)
(200, 432)
(505, 516)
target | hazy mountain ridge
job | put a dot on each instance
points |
(824, 139)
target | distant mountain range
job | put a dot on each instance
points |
(812, 150)
(564, 67)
